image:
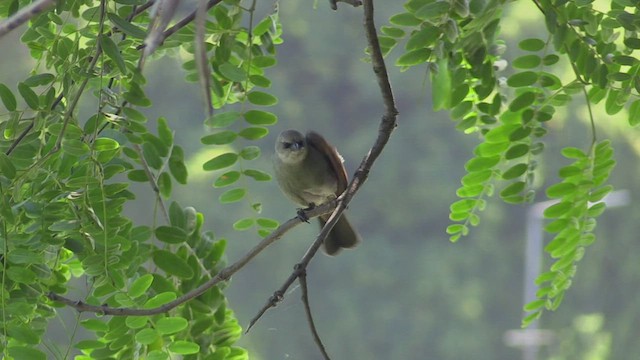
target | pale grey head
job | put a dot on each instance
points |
(291, 146)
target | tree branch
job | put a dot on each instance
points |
(223, 275)
(182, 23)
(302, 278)
(23, 15)
(387, 125)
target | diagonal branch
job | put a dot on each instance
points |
(387, 125)
(221, 276)
(23, 15)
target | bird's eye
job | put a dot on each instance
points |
(286, 145)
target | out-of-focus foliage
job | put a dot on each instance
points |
(65, 179)
(459, 41)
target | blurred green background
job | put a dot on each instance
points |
(406, 292)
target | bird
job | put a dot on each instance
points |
(310, 172)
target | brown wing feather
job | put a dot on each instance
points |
(335, 160)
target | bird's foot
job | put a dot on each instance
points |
(301, 213)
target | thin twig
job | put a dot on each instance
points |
(23, 15)
(223, 275)
(302, 278)
(182, 23)
(20, 137)
(387, 125)
(204, 70)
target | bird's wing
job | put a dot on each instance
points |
(333, 157)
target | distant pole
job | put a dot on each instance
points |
(531, 338)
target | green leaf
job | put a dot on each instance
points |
(262, 98)
(596, 209)
(259, 80)
(134, 115)
(532, 44)
(39, 80)
(151, 155)
(534, 305)
(516, 151)
(220, 138)
(147, 336)
(111, 49)
(267, 223)
(612, 105)
(433, 10)
(521, 79)
(6, 166)
(527, 320)
(423, 38)
(172, 264)
(573, 153)
(481, 163)
(94, 325)
(90, 345)
(220, 162)
(26, 353)
(522, 101)
(442, 82)
(405, 19)
(558, 209)
(7, 97)
(29, 96)
(254, 132)
(171, 325)
(224, 119)
(184, 347)
(392, 31)
(75, 147)
(21, 275)
(136, 96)
(414, 57)
(264, 61)
(258, 117)
(138, 175)
(232, 73)
(599, 194)
(513, 189)
(243, 224)
(164, 132)
(140, 286)
(634, 113)
(176, 165)
(22, 333)
(227, 179)
(561, 189)
(463, 205)
(164, 184)
(550, 59)
(105, 144)
(257, 175)
(171, 234)
(527, 62)
(161, 298)
(477, 177)
(232, 195)
(263, 26)
(127, 27)
(501, 133)
(250, 152)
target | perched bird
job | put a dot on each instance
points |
(310, 172)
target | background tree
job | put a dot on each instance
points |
(405, 288)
